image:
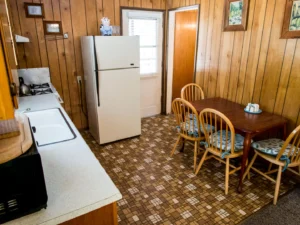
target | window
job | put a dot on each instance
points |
(148, 25)
(147, 30)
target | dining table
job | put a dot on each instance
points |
(247, 124)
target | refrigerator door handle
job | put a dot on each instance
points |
(97, 87)
(96, 72)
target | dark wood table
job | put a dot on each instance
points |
(248, 125)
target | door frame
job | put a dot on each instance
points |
(163, 65)
(170, 53)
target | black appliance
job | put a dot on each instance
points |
(22, 186)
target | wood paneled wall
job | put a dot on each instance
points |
(63, 56)
(252, 66)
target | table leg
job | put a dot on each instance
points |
(247, 145)
(182, 145)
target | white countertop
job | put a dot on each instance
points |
(75, 180)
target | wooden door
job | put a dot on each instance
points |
(184, 50)
(7, 102)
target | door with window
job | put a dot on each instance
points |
(148, 25)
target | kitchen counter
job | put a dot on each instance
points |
(75, 180)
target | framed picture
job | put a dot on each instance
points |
(52, 28)
(34, 10)
(236, 15)
(291, 21)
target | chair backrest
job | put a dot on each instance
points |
(291, 146)
(187, 119)
(213, 121)
(192, 92)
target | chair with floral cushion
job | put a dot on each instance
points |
(188, 129)
(222, 143)
(192, 92)
(284, 154)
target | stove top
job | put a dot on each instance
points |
(39, 89)
(39, 86)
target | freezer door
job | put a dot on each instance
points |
(117, 52)
(119, 111)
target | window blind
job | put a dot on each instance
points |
(148, 31)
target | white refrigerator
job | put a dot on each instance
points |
(112, 82)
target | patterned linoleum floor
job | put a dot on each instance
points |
(158, 189)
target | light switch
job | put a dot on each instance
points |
(66, 35)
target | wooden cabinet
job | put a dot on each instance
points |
(7, 101)
(106, 215)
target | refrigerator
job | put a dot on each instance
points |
(112, 83)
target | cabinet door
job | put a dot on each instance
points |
(6, 101)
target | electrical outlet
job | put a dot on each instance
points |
(78, 79)
(66, 35)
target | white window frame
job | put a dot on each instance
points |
(144, 14)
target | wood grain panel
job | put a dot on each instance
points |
(223, 75)
(32, 54)
(109, 10)
(52, 52)
(235, 65)
(264, 50)
(215, 49)
(274, 61)
(106, 215)
(209, 45)
(292, 101)
(285, 75)
(202, 36)
(245, 54)
(70, 62)
(91, 18)
(117, 13)
(16, 28)
(41, 40)
(62, 61)
(137, 3)
(254, 50)
(147, 4)
(7, 26)
(77, 8)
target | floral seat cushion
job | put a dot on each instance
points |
(271, 146)
(215, 140)
(192, 128)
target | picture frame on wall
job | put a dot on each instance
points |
(291, 21)
(52, 28)
(34, 10)
(235, 15)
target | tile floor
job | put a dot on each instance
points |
(159, 189)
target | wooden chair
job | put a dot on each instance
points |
(222, 143)
(284, 154)
(188, 129)
(192, 92)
